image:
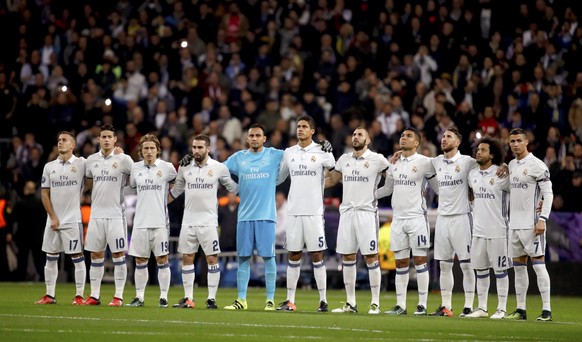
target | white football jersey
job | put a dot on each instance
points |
(525, 175)
(65, 182)
(306, 166)
(491, 203)
(152, 185)
(201, 186)
(452, 175)
(408, 179)
(360, 178)
(109, 176)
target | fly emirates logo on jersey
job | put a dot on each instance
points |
(516, 183)
(149, 185)
(303, 170)
(255, 174)
(105, 176)
(64, 181)
(201, 183)
(483, 194)
(356, 177)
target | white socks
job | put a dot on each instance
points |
(80, 275)
(293, 272)
(51, 272)
(468, 283)
(521, 284)
(502, 289)
(96, 275)
(483, 283)
(213, 280)
(120, 276)
(447, 282)
(401, 281)
(349, 271)
(188, 276)
(422, 280)
(164, 279)
(141, 277)
(543, 283)
(375, 278)
(320, 275)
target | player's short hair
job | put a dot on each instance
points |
(309, 120)
(517, 131)
(456, 132)
(261, 127)
(203, 137)
(108, 127)
(146, 138)
(494, 149)
(67, 133)
(416, 133)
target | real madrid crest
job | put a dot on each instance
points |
(313, 158)
(457, 169)
(414, 169)
(525, 172)
(73, 169)
(366, 165)
(209, 173)
(159, 173)
(114, 165)
(491, 181)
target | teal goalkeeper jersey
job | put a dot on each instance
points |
(257, 180)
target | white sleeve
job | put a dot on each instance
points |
(227, 181)
(388, 187)
(179, 184)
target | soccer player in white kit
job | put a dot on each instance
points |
(107, 226)
(62, 185)
(151, 178)
(305, 163)
(360, 172)
(199, 179)
(530, 183)
(454, 222)
(407, 182)
(490, 223)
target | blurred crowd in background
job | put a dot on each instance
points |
(180, 68)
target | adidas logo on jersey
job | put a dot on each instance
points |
(139, 174)
(292, 160)
(96, 165)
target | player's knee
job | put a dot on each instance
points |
(371, 258)
(211, 259)
(316, 256)
(521, 260)
(162, 259)
(419, 260)
(188, 259)
(295, 256)
(401, 263)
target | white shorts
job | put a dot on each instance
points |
(106, 231)
(357, 229)
(191, 237)
(525, 242)
(490, 253)
(145, 241)
(305, 230)
(407, 234)
(453, 236)
(68, 238)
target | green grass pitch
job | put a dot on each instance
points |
(21, 320)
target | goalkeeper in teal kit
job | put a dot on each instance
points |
(257, 170)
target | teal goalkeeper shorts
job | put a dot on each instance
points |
(255, 234)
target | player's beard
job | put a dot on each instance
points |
(447, 148)
(358, 147)
(199, 157)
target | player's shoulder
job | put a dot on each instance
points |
(94, 156)
(466, 159)
(473, 173)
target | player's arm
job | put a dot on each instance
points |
(502, 171)
(227, 181)
(334, 177)
(45, 194)
(388, 188)
(545, 185)
(179, 186)
(283, 170)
